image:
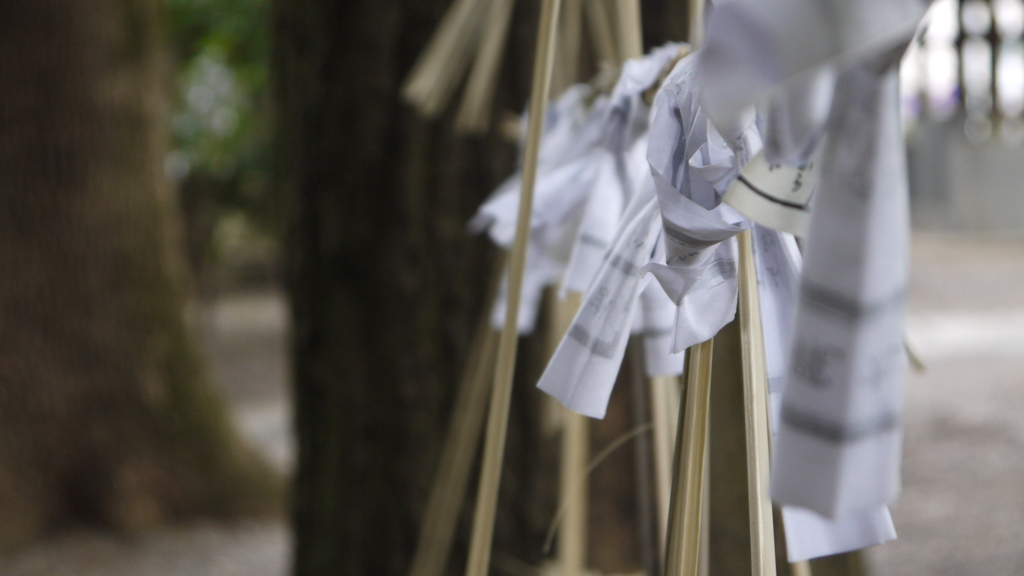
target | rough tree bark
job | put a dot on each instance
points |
(105, 413)
(385, 280)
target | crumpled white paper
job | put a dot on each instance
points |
(583, 184)
(699, 271)
(692, 165)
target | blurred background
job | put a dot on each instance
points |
(237, 290)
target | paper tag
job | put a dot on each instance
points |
(776, 196)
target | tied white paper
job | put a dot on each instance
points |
(694, 261)
(583, 184)
(654, 323)
(566, 173)
(692, 165)
(775, 187)
(583, 369)
(839, 432)
(839, 440)
(601, 216)
(624, 148)
(808, 534)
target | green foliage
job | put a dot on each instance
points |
(220, 125)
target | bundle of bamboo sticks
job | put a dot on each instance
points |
(469, 46)
(475, 27)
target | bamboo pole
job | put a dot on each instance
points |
(572, 539)
(497, 419)
(602, 36)
(704, 562)
(755, 408)
(436, 74)
(801, 568)
(567, 63)
(442, 511)
(696, 33)
(631, 41)
(665, 398)
(572, 534)
(684, 528)
(441, 515)
(474, 115)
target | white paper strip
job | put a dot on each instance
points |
(808, 534)
(839, 435)
(582, 371)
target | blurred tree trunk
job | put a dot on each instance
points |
(386, 284)
(106, 416)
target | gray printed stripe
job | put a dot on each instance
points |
(837, 432)
(591, 240)
(718, 271)
(659, 332)
(682, 237)
(829, 300)
(624, 266)
(602, 348)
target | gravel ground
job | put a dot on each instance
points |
(962, 509)
(243, 338)
(196, 550)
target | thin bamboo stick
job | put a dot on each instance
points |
(684, 528)
(442, 512)
(497, 419)
(436, 74)
(665, 398)
(631, 41)
(801, 568)
(755, 408)
(602, 36)
(572, 536)
(474, 116)
(567, 64)
(704, 563)
(696, 32)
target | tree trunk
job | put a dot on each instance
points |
(386, 283)
(105, 413)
